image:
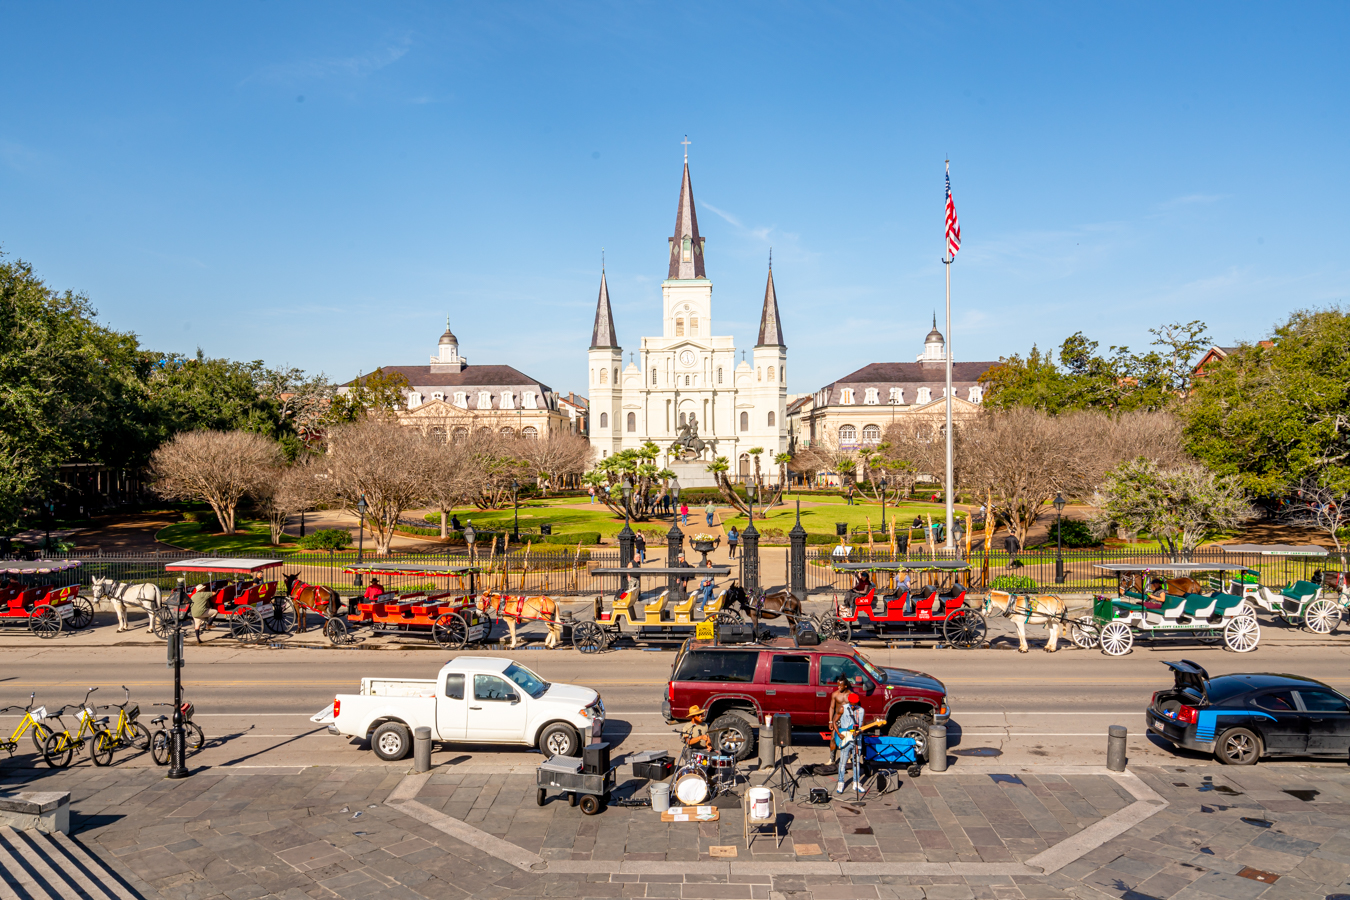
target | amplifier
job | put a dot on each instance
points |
(595, 758)
(735, 634)
(658, 769)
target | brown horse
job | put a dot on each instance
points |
(1149, 584)
(765, 606)
(307, 597)
(517, 609)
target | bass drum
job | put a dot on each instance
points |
(691, 785)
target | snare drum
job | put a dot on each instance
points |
(722, 767)
(698, 759)
(691, 785)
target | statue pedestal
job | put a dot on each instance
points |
(693, 473)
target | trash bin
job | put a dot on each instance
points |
(546, 528)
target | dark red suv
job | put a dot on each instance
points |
(741, 684)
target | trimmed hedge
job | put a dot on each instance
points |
(327, 539)
(483, 538)
(1013, 583)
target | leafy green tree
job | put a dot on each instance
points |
(1279, 414)
(1180, 506)
(636, 467)
(379, 391)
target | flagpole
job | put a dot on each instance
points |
(948, 344)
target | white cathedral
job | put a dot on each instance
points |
(687, 382)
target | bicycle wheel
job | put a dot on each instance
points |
(101, 747)
(40, 734)
(57, 751)
(195, 738)
(139, 735)
(159, 748)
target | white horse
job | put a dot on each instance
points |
(1024, 610)
(143, 596)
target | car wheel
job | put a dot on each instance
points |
(912, 727)
(391, 741)
(737, 740)
(590, 804)
(559, 740)
(1238, 747)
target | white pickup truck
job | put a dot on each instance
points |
(474, 699)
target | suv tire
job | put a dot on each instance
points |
(559, 739)
(738, 740)
(912, 727)
(391, 741)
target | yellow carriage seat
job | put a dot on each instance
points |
(684, 610)
(623, 606)
(652, 610)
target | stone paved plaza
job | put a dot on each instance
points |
(1270, 832)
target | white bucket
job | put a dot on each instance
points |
(660, 796)
(761, 802)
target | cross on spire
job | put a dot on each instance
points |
(686, 149)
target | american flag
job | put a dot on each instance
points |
(953, 226)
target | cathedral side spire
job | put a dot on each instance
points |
(602, 335)
(770, 331)
(686, 247)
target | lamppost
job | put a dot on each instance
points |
(750, 543)
(178, 734)
(515, 495)
(882, 483)
(674, 499)
(626, 537)
(360, 538)
(1059, 538)
(469, 537)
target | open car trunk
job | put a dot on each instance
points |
(1189, 688)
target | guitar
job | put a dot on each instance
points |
(851, 733)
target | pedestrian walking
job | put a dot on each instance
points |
(708, 511)
(684, 513)
(640, 545)
(732, 537)
(590, 489)
(850, 495)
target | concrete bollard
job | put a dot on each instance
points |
(422, 749)
(1115, 747)
(937, 748)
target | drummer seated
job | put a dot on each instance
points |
(695, 731)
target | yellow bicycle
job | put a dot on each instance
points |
(128, 733)
(30, 723)
(61, 745)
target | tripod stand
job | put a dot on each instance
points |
(787, 782)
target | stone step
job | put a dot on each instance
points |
(53, 866)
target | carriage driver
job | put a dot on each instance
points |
(203, 610)
(860, 589)
(696, 729)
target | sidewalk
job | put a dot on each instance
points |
(1269, 832)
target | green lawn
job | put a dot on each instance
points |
(564, 520)
(821, 519)
(253, 536)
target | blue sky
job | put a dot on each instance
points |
(321, 184)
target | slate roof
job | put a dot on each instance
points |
(602, 334)
(493, 378)
(686, 225)
(770, 324)
(909, 376)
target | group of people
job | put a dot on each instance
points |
(847, 721)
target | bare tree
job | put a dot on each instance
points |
(216, 467)
(828, 455)
(914, 449)
(382, 461)
(560, 455)
(1019, 458)
(1105, 441)
(283, 490)
(1317, 504)
(1179, 506)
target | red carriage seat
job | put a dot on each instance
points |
(266, 591)
(24, 598)
(225, 597)
(59, 596)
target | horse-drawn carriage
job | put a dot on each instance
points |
(1313, 605)
(44, 609)
(935, 611)
(655, 617)
(450, 617)
(1154, 607)
(250, 606)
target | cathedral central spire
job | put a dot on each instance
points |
(602, 335)
(686, 247)
(770, 331)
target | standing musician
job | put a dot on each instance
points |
(838, 700)
(847, 733)
(696, 729)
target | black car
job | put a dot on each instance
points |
(1241, 718)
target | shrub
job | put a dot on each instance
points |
(1076, 534)
(573, 537)
(1018, 583)
(327, 539)
(821, 540)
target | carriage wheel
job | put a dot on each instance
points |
(246, 625)
(44, 622)
(1084, 632)
(451, 631)
(282, 620)
(831, 626)
(728, 617)
(338, 631)
(1116, 639)
(964, 629)
(1322, 617)
(588, 637)
(161, 623)
(84, 613)
(1242, 634)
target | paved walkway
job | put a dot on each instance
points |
(1272, 832)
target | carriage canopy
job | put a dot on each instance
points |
(1174, 568)
(1277, 549)
(244, 566)
(415, 569)
(37, 566)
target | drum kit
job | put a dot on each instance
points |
(700, 775)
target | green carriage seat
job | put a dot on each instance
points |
(1224, 603)
(1300, 591)
(1173, 606)
(1136, 595)
(1200, 606)
(1122, 608)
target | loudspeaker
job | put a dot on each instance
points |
(782, 730)
(595, 758)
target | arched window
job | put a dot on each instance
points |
(693, 326)
(719, 374)
(604, 376)
(530, 433)
(438, 432)
(653, 376)
(507, 432)
(771, 420)
(744, 466)
(745, 421)
(679, 326)
(771, 373)
(686, 381)
(604, 420)
(848, 434)
(759, 374)
(460, 433)
(632, 422)
(462, 399)
(871, 434)
(925, 395)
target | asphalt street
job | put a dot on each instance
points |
(254, 703)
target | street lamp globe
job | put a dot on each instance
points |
(1059, 502)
